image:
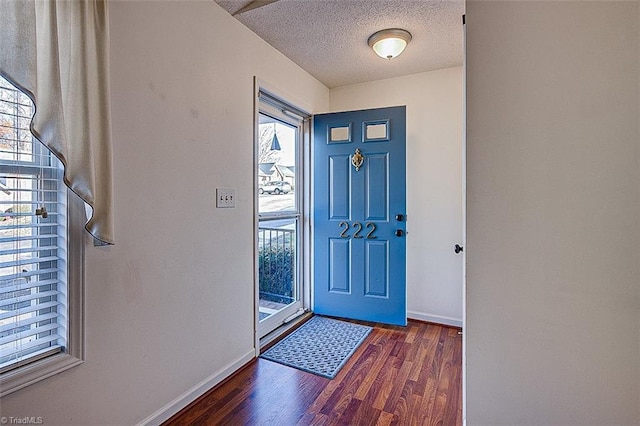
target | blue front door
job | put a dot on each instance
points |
(359, 216)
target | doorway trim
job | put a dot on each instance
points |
(297, 108)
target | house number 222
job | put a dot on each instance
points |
(358, 227)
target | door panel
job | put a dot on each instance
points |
(376, 191)
(359, 261)
(339, 188)
(339, 266)
(377, 278)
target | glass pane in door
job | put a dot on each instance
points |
(278, 209)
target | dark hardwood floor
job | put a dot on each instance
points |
(399, 375)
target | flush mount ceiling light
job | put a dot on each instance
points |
(389, 43)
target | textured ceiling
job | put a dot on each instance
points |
(328, 38)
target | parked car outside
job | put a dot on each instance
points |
(275, 187)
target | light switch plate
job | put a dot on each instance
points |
(225, 197)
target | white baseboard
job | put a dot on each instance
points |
(192, 394)
(438, 319)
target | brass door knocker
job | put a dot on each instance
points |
(357, 159)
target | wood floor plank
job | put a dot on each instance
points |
(403, 403)
(419, 361)
(411, 333)
(284, 401)
(441, 379)
(426, 351)
(377, 365)
(416, 339)
(338, 403)
(417, 410)
(429, 366)
(385, 419)
(346, 417)
(453, 409)
(225, 413)
(324, 396)
(406, 376)
(319, 420)
(398, 386)
(367, 414)
(384, 384)
(352, 379)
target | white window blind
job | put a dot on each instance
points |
(32, 239)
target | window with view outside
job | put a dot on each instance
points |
(278, 209)
(33, 236)
(277, 166)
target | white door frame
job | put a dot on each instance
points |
(304, 274)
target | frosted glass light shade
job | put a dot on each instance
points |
(389, 43)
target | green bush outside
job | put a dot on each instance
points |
(276, 272)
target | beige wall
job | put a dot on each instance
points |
(553, 212)
(434, 183)
(170, 306)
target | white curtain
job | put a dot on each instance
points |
(57, 52)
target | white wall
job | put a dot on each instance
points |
(171, 304)
(553, 213)
(434, 183)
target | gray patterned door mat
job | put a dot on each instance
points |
(320, 346)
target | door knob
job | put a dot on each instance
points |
(399, 232)
(458, 248)
(399, 217)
